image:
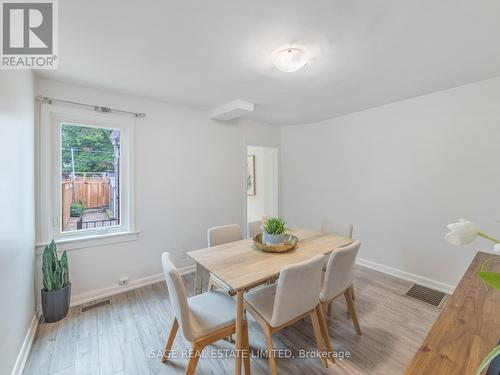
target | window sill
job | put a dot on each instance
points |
(90, 241)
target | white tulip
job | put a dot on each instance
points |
(462, 232)
(496, 248)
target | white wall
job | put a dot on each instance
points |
(189, 176)
(400, 173)
(17, 220)
(265, 200)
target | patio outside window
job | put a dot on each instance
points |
(90, 177)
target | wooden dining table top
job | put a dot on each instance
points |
(240, 264)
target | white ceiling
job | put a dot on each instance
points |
(202, 54)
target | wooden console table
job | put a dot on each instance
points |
(465, 331)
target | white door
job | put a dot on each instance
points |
(262, 182)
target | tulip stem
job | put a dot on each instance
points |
(489, 238)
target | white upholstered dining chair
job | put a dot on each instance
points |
(219, 236)
(203, 319)
(253, 228)
(338, 279)
(337, 228)
(223, 234)
(278, 305)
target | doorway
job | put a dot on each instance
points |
(262, 182)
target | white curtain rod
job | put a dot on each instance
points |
(98, 108)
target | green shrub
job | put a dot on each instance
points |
(275, 226)
(77, 209)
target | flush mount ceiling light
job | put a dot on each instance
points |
(290, 60)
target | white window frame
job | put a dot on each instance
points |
(51, 117)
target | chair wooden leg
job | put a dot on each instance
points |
(270, 350)
(352, 292)
(319, 337)
(193, 359)
(239, 328)
(324, 330)
(246, 345)
(170, 341)
(352, 310)
(330, 308)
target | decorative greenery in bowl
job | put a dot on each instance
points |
(464, 232)
(275, 226)
(274, 231)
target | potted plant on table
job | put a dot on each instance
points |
(274, 231)
(464, 232)
(56, 292)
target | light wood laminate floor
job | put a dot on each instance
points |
(125, 337)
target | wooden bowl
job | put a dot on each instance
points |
(289, 244)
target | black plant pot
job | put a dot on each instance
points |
(55, 305)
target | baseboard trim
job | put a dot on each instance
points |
(26, 347)
(82, 298)
(429, 283)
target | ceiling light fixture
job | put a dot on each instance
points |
(290, 60)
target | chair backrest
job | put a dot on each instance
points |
(178, 296)
(337, 228)
(254, 228)
(339, 271)
(224, 234)
(297, 291)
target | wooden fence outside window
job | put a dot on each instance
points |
(93, 192)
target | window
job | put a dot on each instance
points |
(90, 177)
(85, 174)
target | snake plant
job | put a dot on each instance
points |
(55, 270)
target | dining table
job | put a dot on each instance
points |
(239, 266)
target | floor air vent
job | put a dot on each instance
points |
(426, 295)
(95, 305)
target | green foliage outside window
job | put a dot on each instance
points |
(92, 149)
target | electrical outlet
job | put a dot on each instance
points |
(123, 280)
